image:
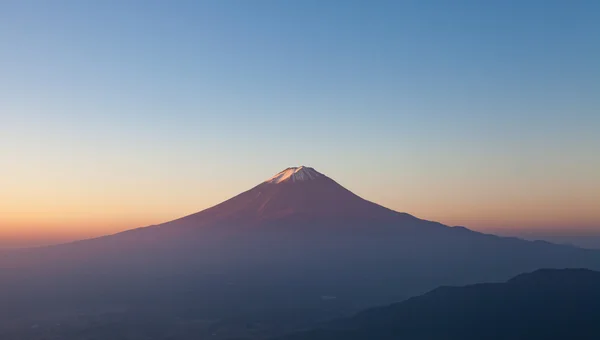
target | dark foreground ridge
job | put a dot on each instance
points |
(546, 304)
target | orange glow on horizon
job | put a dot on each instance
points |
(64, 208)
(68, 223)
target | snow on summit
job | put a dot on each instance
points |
(301, 173)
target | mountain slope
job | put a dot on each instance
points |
(546, 304)
(301, 225)
(286, 243)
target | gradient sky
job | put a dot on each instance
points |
(120, 114)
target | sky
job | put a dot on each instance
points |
(121, 114)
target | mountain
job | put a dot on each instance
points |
(546, 304)
(298, 241)
(294, 194)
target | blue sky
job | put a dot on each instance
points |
(433, 107)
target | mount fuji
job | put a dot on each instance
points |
(292, 195)
(296, 240)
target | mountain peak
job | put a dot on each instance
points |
(294, 195)
(293, 174)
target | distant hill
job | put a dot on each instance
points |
(546, 304)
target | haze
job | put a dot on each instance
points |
(122, 114)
